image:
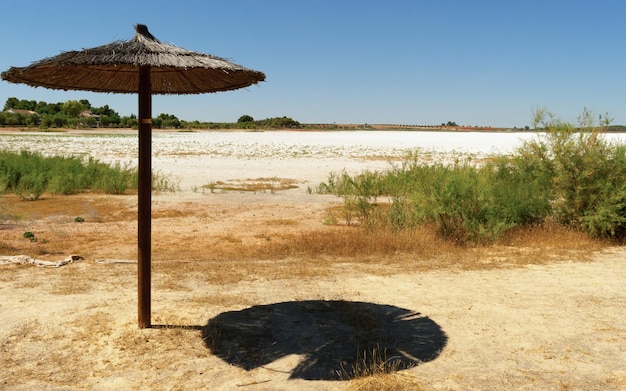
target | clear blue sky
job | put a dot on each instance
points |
(354, 61)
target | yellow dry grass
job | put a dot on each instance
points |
(387, 382)
(185, 243)
(205, 244)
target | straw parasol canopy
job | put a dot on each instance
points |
(114, 68)
(145, 66)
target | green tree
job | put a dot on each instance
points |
(72, 108)
(245, 118)
(108, 116)
(14, 103)
(157, 123)
(59, 120)
(46, 121)
(104, 110)
(280, 122)
(11, 119)
(55, 108)
(10, 103)
(31, 120)
(85, 103)
(129, 122)
(42, 108)
(167, 121)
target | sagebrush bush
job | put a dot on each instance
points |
(568, 173)
(467, 203)
(586, 174)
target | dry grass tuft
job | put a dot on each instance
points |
(396, 381)
(375, 363)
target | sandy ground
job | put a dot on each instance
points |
(556, 326)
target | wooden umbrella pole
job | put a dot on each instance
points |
(104, 68)
(144, 198)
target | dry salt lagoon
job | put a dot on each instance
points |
(197, 158)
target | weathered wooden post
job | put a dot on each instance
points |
(144, 199)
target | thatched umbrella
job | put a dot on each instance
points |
(146, 66)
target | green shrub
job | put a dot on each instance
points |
(30, 186)
(585, 174)
(30, 174)
(467, 203)
(570, 173)
(476, 204)
(360, 193)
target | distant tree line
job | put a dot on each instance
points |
(81, 114)
(244, 122)
(71, 113)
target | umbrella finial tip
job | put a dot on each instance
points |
(141, 28)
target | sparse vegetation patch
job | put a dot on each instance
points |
(30, 174)
(568, 173)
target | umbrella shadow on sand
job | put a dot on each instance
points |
(338, 340)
